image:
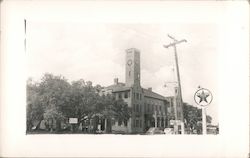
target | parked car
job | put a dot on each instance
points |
(153, 131)
(169, 131)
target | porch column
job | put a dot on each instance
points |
(160, 118)
(155, 117)
(164, 122)
(105, 125)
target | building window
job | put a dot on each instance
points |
(126, 95)
(137, 108)
(120, 95)
(140, 123)
(129, 73)
(137, 96)
(113, 122)
(119, 122)
(140, 96)
(176, 91)
(160, 108)
(134, 95)
(137, 123)
(125, 123)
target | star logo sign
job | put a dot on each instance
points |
(203, 97)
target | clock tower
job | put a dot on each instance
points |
(133, 67)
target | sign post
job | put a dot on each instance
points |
(73, 120)
(203, 97)
(204, 121)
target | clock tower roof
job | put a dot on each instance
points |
(133, 49)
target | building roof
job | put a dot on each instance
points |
(118, 87)
(147, 93)
(151, 94)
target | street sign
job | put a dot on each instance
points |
(203, 97)
(73, 120)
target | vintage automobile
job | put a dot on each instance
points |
(169, 131)
(154, 130)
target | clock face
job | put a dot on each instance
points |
(129, 62)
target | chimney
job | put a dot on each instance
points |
(116, 81)
(150, 89)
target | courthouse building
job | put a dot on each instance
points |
(149, 109)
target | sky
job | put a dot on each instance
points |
(96, 52)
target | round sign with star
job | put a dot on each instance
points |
(203, 97)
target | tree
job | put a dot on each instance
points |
(53, 117)
(110, 108)
(193, 117)
(121, 110)
(47, 99)
(54, 98)
(34, 109)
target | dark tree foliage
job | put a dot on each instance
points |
(193, 117)
(34, 109)
(55, 98)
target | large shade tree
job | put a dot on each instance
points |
(34, 109)
(54, 98)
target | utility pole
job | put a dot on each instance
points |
(173, 44)
(175, 86)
